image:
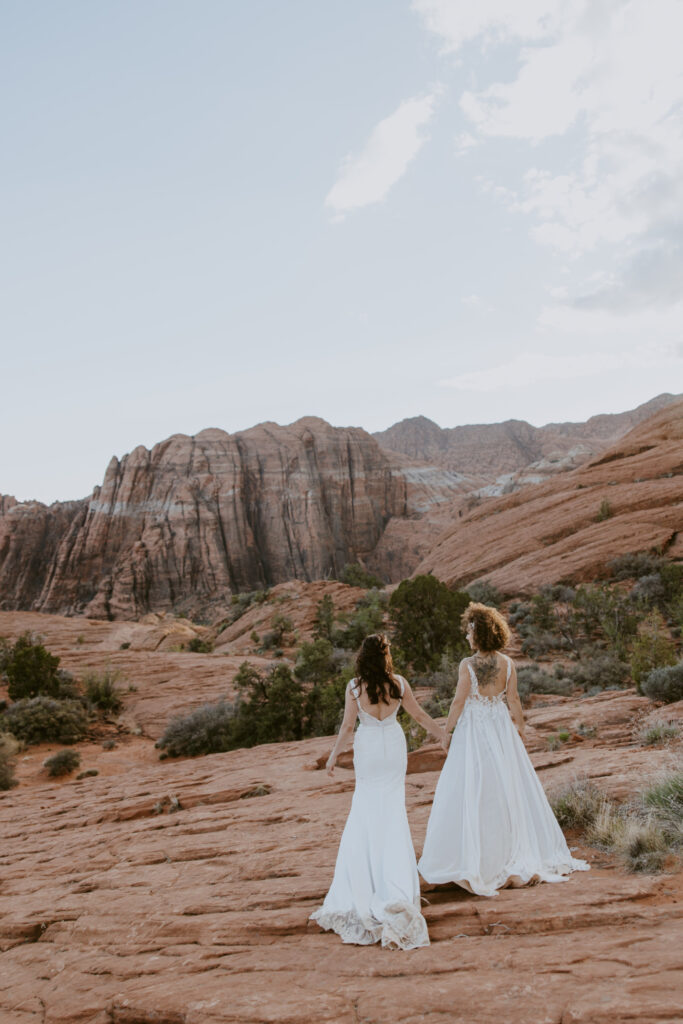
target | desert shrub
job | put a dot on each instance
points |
(633, 565)
(642, 846)
(354, 575)
(315, 661)
(443, 682)
(426, 620)
(648, 591)
(101, 690)
(577, 805)
(199, 646)
(533, 679)
(605, 612)
(323, 623)
(484, 592)
(324, 706)
(602, 671)
(271, 708)
(46, 720)
(62, 763)
(665, 684)
(209, 729)
(367, 618)
(655, 734)
(281, 626)
(8, 751)
(653, 647)
(30, 669)
(663, 799)
(605, 511)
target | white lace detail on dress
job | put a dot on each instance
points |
(403, 928)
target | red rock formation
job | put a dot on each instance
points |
(198, 518)
(178, 892)
(551, 532)
(514, 453)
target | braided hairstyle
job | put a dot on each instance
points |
(375, 668)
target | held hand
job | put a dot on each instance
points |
(331, 761)
(445, 740)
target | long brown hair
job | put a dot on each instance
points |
(375, 668)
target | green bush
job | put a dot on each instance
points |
(443, 682)
(209, 729)
(199, 646)
(315, 661)
(605, 511)
(324, 706)
(367, 618)
(46, 720)
(101, 690)
(62, 763)
(601, 671)
(8, 760)
(30, 669)
(426, 621)
(633, 565)
(653, 647)
(484, 592)
(323, 623)
(665, 684)
(604, 612)
(577, 805)
(354, 575)
(533, 679)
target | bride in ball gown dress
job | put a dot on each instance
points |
(375, 892)
(491, 825)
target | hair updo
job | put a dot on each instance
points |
(375, 669)
(490, 630)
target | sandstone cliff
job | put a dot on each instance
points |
(557, 531)
(197, 518)
(506, 456)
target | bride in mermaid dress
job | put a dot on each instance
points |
(375, 892)
(491, 825)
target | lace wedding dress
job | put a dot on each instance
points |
(375, 893)
(491, 824)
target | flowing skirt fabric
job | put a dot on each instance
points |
(375, 893)
(491, 824)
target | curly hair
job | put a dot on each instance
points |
(375, 668)
(491, 631)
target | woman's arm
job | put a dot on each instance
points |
(514, 703)
(462, 692)
(346, 731)
(420, 715)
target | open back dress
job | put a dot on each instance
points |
(491, 824)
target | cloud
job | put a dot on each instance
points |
(610, 73)
(394, 142)
(528, 368)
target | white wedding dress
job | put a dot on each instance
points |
(491, 824)
(375, 893)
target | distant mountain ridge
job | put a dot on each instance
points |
(504, 456)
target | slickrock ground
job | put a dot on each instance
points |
(551, 532)
(178, 892)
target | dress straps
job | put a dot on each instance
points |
(355, 692)
(473, 678)
(509, 670)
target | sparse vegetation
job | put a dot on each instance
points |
(8, 759)
(368, 617)
(533, 679)
(484, 592)
(30, 669)
(62, 763)
(45, 720)
(653, 648)
(355, 575)
(323, 624)
(642, 833)
(207, 730)
(200, 646)
(656, 734)
(101, 690)
(605, 511)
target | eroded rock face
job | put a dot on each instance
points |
(503, 457)
(198, 518)
(556, 531)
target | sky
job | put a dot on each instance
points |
(224, 212)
